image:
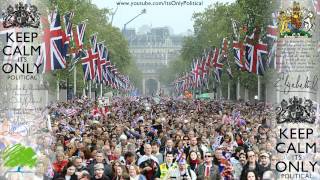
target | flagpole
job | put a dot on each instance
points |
(246, 94)
(84, 88)
(259, 88)
(90, 89)
(213, 86)
(229, 90)
(100, 89)
(220, 90)
(238, 89)
(58, 90)
(75, 80)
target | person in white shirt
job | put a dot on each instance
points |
(149, 165)
(182, 172)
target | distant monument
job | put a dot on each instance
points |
(151, 51)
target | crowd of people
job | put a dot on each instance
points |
(146, 138)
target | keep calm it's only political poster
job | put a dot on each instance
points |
(57, 52)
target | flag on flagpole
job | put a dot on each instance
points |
(239, 55)
(89, 64)
(68, 25)
(100, 62)
(53, 49)
(78, 35)
(93, 43)
(254, 52)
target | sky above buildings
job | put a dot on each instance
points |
(178, 17)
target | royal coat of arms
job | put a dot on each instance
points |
(22, 15)
(295, 111)
(296, 21)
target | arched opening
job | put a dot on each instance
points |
(151, 87)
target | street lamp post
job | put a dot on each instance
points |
(143, 11)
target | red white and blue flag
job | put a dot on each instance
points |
(68, 25)
(274, 61)
(218, 66)
(78, 39)
(196, 74)
(203, 70)
(254, 52)
(224, 56)
(94, 43)
(107, 70)
(89, 64)
(54, 48)
(100, 62)
(78, 35)
(272, 30)
(239, 55)
(209, 63)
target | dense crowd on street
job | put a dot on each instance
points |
(146, 138)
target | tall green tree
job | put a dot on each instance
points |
(97, 22)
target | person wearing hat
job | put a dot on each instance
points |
(182, 172)
(99, 172)
(264, 161)
(208, 169)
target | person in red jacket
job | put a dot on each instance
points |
(59, 164)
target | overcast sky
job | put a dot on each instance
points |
(177, 17)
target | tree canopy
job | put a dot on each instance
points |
(214, 24)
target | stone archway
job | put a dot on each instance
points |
(150, 86)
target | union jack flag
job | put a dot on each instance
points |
(78, 39)
(54, 48)
(215, 56)
(89, 64)
(68, 24)
(224, 49)
(224, 56)
(218, 66)
(196, 73)
(185, 81)
(93, 42)
(239, 55)
(78, 35)
(254, 52)
(101, 62)
(108, 78)
(192, 75)
(203, 70)
(208, 62)
(107, 70)
(272, 30)
(274, 61)
(113, 70)
(114, 74)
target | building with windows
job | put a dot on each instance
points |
(152, 51)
